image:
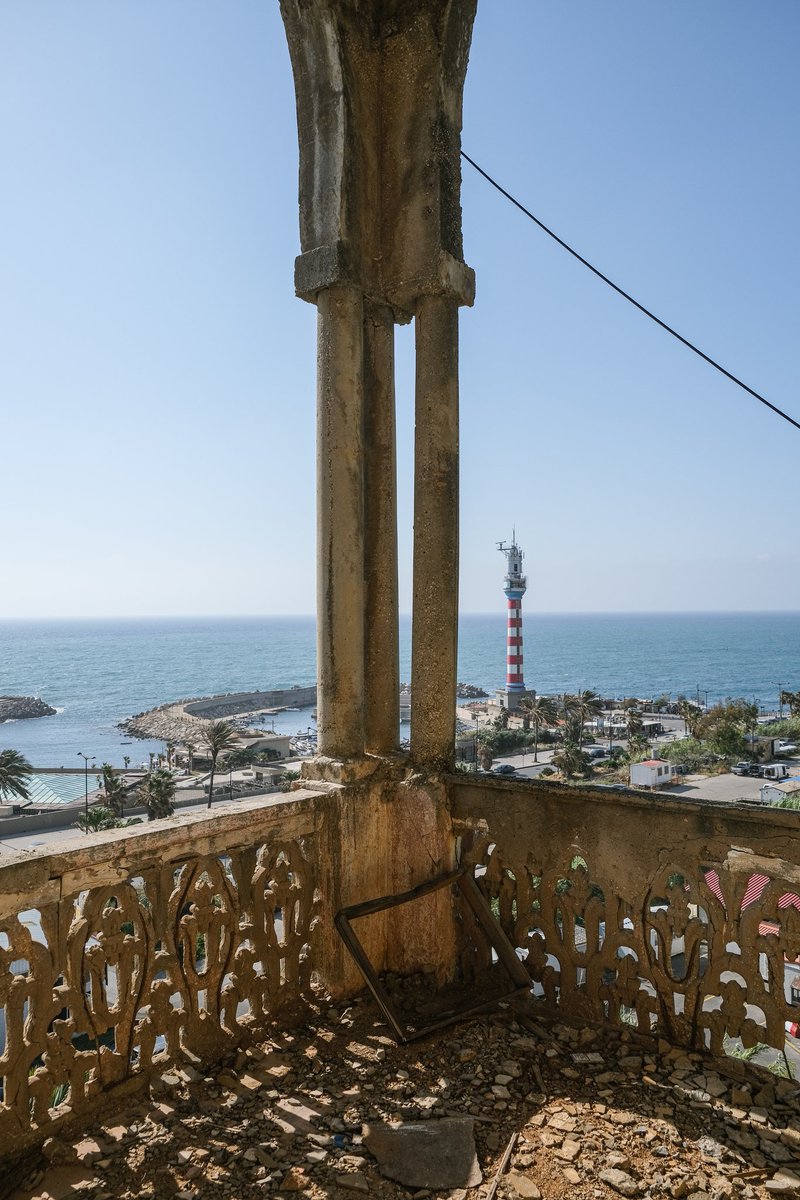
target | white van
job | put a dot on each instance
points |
(774, 771)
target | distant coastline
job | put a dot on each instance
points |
(98, 673)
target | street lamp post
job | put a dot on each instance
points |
(87, 758)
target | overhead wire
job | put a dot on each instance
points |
(631, 299)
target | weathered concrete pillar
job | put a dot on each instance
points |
(381, 650)
(379, 86)
(435, 612)
(340, 522)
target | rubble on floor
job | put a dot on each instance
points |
(586, 1114)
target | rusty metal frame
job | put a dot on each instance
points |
(465, 881)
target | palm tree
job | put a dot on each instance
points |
(570, 760)
(637, 742)
(634, 725)
(157, 792)
(637, 745)
(218, 736)
(97, 818)
(190, 749)
(585, 705)
(114, 789)
(542, 712)
(14, 772)
(690, 714)
(126, 758)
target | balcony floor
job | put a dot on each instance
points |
(286, 1117)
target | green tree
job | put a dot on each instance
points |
(566, 709)
(542, 713)
(99, 818)
(218, 736)
(634, 724)
(157, 792)
(245, 756)
(638, 747)
(14, 772)
(584, 706)
(691, 716)
(571, 761)
(115, 791)
(724, 726)
(126, 758)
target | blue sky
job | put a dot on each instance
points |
(157, 373)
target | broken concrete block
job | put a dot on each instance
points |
(430, 1154)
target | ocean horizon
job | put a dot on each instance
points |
(98, 671)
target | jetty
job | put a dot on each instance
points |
(23, 708)
(183, 720)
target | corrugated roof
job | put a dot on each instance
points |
(56, 789)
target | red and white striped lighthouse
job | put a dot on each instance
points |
(515, 587)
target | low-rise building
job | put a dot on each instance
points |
(773, 792)
(652, 773)
(267, 745)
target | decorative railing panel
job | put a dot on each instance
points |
(164, 944)
(682, 918)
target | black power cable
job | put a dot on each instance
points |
(627, 296)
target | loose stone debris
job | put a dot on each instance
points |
(597, 1114)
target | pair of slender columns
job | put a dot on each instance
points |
(357, 607)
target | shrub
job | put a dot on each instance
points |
(691, 753)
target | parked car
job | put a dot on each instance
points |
(777, 770)
(596, 751)
(787, 748)
(744, 768)
(504, 769)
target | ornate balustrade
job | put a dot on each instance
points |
(174, 943)
(680, 917)
(164, 943)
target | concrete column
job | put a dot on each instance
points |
(381, 651)
(340, 522)
(435, 595)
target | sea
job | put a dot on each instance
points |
(98, 672)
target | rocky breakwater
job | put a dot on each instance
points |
(167, 723)
(22, 708)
